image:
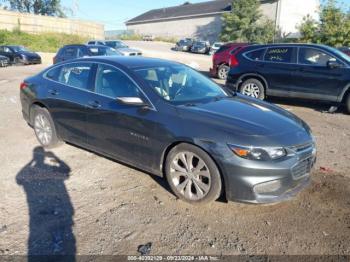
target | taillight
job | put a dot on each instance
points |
(23, 85)
(234, 61)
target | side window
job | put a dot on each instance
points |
(54, 74)
(113, 83)
(70, 52)
(280, 54)
(75, 75)
(91, 43)
(81, 52)
(315, 57)
(256, 55)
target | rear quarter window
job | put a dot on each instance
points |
(279, 54)
(54, 73)
(256, 55)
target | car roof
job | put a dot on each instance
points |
(235, 44)
(12, 45)
(289, 45)
(83, 45)
(132, 62)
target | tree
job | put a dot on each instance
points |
(245, 23)
(42, 7)
(333, 27)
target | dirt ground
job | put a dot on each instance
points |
(70, 201)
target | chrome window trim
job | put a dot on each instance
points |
(93, 92)
(297, 63)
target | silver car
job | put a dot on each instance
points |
(118, 45)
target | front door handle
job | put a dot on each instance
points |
(94, 104)
(53, 92)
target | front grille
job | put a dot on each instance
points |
(303, 168)
(304, 147)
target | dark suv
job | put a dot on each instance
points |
(315, 72)
(70, 52)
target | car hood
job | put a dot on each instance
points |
(26, 53)
(244, 116)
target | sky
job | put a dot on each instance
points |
(113, 13)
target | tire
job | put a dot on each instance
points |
(223, 72)
(44, 128)
(204, 184)
(254, 88)
(347, 103)
(17, 61)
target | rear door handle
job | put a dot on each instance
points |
(94, 104)
(53, 92)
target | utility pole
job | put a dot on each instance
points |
(75, 7)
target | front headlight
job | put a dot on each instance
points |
(259, 153)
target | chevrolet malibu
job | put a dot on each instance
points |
(169, 120)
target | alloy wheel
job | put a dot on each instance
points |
(251, 89)
(223, 71)
(190, 176)
(43, 129)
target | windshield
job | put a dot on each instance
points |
(19, 48)
(116, 44)
(200, 44)
(103, 51)
(179, 83)
(341, 54)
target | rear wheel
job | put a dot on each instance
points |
(223, 72)
(254, 88)
(44, 128)
(192, 175)
(16, 61)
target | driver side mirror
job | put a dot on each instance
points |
(332, 64)
(131, 101)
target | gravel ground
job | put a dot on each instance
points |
(70, 201)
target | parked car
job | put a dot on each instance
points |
(313, 72)
(200, 47)
(70, 52)
(148, 38)
(4, 61)
(345, 50)
(170, 120)
(215, 47)
(20, 55)
(118, 45)
(221, 59)
(184, 45)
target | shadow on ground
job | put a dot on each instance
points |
(50, 209)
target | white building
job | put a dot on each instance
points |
(203, 20)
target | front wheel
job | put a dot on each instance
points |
(44, 128)
(192, 175)
(253, 88)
